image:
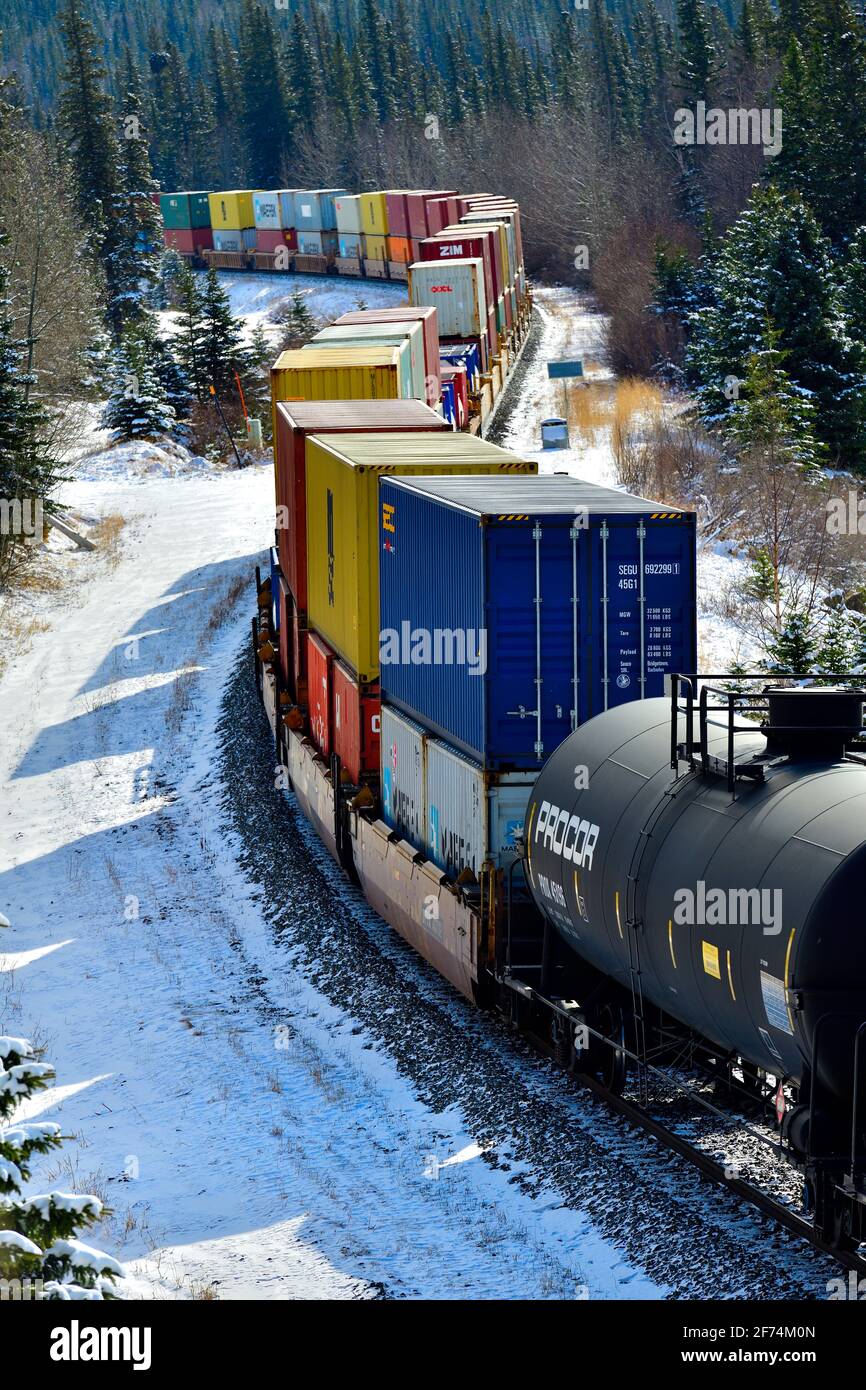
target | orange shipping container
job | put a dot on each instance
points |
(399, 249)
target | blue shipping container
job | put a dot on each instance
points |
(449, 409)
(514, 609)
(463, 355)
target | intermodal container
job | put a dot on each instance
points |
(357, 722)
(231, 210)
(440, 214)
(347, 214)
(395, 209)
(343, 536)
(287, 206)
(407, 313)
(473, 816)
(314, 209)
(456, 287)
(266, 211)
(445, 246)
(552, 599)
(374, 215)
(376, 248)
(275, 588)
(320, 692)
(273, 241)
(455, 376)
(299, 654)
(351, 246)
(504, 225)
(403, 781)
(293, 422)
(317, 243)
(477, 345)
(449, 407)
(409, 336)
(400, 249)
(235, 239)
(184, 210)
(465, 355)
(188, 240)
(346, 374)
(407, 385)
(416, 209)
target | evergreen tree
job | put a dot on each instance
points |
(138, 406)
(698, 65)
(39, 1233)
(170, 279)
(775, 267)
(793, 651)
(854, 285)
(265, 103)
(221, 338)
(838, 645)
(189, 342)
(298, 323)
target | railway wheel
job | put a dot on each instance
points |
(609, 1059)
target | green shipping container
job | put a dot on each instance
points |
(184, 210)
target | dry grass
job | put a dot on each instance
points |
(106, 535)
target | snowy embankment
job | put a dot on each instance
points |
(254, 1137)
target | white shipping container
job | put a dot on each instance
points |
(456, 290)
(266, 211)
(471, 816)
(232, 240)
(348, 214)
(403, 754)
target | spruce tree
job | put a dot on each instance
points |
(221, 337)
(794, 650)
(138, 407)
(265, 99)
(189, 342)
(39, 1233)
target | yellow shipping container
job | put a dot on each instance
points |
(376, 248)
(232, 210)
(343, 473)
(374, 214)
(337, 374)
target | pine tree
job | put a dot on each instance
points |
(221, 337)
(837, 647)
(189, 342)
(170, 278)
(854, 285)
(775, 267)
(265, 100)
(39, 1233)
(793, 651)
(138, 407)
(299, 325)
(698, 64)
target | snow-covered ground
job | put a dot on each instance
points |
(253, 1137)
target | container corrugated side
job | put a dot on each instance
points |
(357, 724)
(347, 214)
(343, 542)
(388, 335)
(231, 210)
(472, 817)
(408, 313)
(374, 215)
(314, 209)
(456, 287)
(320, 692)
(478, 580)
(266, 211)
(293, 422)
(403, 776)
(344, 374)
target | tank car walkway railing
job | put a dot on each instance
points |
(690, 698)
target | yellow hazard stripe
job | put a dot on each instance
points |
(671, 942)
(618, 922)
(731, 978)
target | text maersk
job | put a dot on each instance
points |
(567, 835)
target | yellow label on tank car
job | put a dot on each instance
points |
(711, 960)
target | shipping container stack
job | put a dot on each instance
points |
(541, 601)
(276, 235)
(316, 226)
(234, 229)
(186, 222)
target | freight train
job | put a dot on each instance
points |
(473, 677)
(459, 253)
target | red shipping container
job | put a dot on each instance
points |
(180, 239)
(270, 241)
(357, 720)
(431, 338)
(203, 238)
(395, 206)
(416, 209)
(458, 376)
(444, 245)
(465, 201)
(320, 692)
(438, 214)
(293, 421)
(492, 332)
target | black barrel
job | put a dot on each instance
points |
(744, 915)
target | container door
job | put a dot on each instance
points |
(637, 601)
